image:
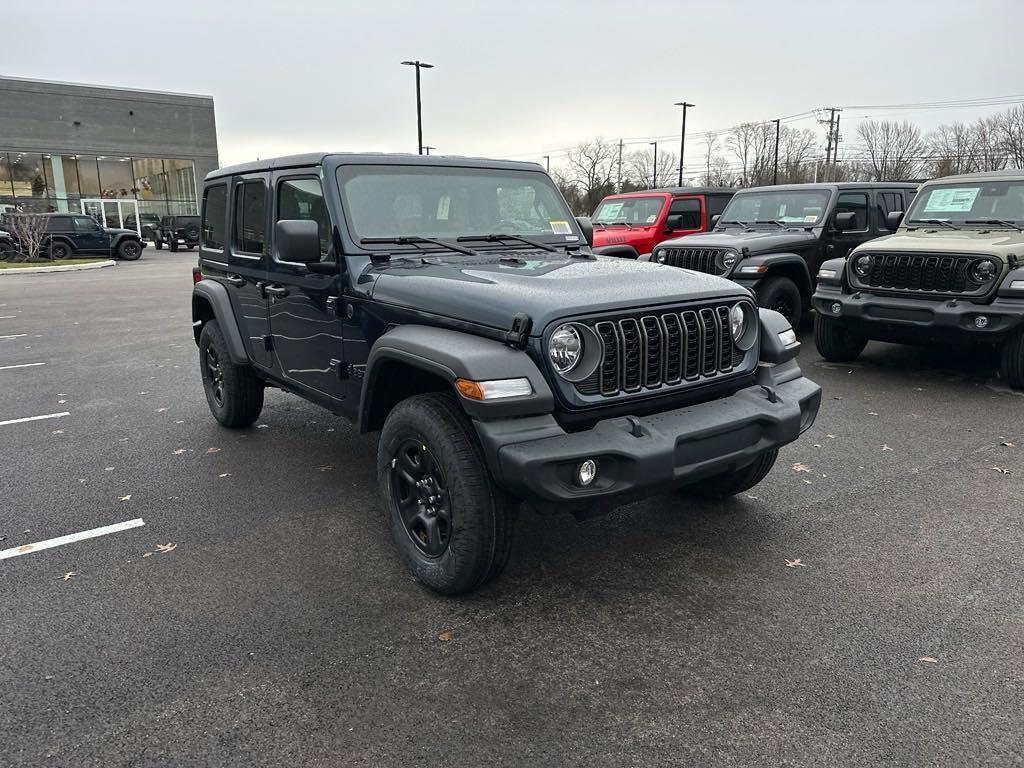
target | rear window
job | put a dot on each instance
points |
(215, 205)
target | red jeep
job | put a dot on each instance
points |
(631, 224)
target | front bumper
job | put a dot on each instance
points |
(1001, 315)
(535, 459)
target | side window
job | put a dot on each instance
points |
(304, 199)
(85, 224)
(58, 224)
(857, 203)
(215, 206)
(887, 202)
(250, 217)
(715, 205)
(688, 210)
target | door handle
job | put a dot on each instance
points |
(275, 290)
(235, 280)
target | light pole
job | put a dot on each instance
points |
(682, 137)
(427, 149)
(775, 172)
(547, 163)
(419, 108)
(654, 180)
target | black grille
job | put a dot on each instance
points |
(697, 259)
(653, 350)
(936, 273)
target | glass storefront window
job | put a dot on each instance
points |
(5, 176)
(150, 178)
(116, 178)
(27, 175)
(88, 176)
(181, 180)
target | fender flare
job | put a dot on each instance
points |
(452, 355)
(771, 263)
(59, 238)
(618, 251)
(116, 240)
(211, 294)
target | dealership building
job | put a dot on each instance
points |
(112, 153)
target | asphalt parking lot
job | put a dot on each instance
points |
(862, 606)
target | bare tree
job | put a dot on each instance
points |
(989, 152)
(589, 166)
(1011, 134)
(753, 145)
(640, 169)
(953, 149)
(891, 148)
(29, 232)
(796, 149)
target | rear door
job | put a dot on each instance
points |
(306, 330)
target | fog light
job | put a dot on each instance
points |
(586, 473)
(981, 321)
(836, 307)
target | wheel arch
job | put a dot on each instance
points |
(210, 301)
(788, 265)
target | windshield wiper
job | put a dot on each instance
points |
(941, 222)
(497, 238)
(735, 221)
(776, 222)
(416, 240)
(1001, 222)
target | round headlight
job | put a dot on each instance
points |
(737, 320)
(862, 265)
(984, 270)
(660, 256)
(565, 348)
(728, 259)
(741, 326)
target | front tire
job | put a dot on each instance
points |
(158, 243)
(129, 250)
(782, 295)
(835, 341)
(172, 244)
(453, 528)
(732, 483)
(1012, 360)
(233, 392)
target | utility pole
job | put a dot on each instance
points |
(654, 180)
(775, 172)
(618, 182)
(419, 106)
(835, 152)
(831, 134)
(547, 163)
(682, 138)
(427, 149)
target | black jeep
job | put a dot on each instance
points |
(455, 305)
(773, 239)
(72, 235)
(177, 229)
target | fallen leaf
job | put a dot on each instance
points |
(57, 432)
(837, 397)
(108, 469)
(808, 482)
(1008, 444)
(798, 563)
(261, 426)
(161, 410)
(918, 389)
(148, 554)
(69, 575)
(885, 447)
(798, 467)
(929, 660)
(326, 467)
(831, 437)
(817, 445)
(213, 450)
(225, 474)
(125, 498)
(179, 451)
(1001, 471)
(165, 547)
(447, 635)
(179, 422)
(872, 413)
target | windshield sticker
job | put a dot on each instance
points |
(611, 211)
(957, 200)
(444, 204)
(571, 238)
(560, 227)
(650, 219)
(811, 218)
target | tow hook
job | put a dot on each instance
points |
(772, 395)
(635, 428)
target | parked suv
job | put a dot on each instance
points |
(148, 224)
(177, 229)
(954, 270)
(632, 224)
(455, 306)
(773, 239)
(72, 235)
(7, 246)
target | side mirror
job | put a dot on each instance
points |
(714, 220)
(845, 221)
(674, 222)
(298, 240)
(587, 227)
(893, 219)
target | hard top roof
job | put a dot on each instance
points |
(678, 191)
(370, 158)
(840, 185)
(1004, 175)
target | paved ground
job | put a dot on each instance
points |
(282, 630)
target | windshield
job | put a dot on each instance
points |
(800, 207)
(963, 202)
(443, 202)
(629, 210)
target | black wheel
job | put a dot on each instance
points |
(158, 243)
(1012, 359)
(172, 244)
(129, 250)
(6, 251)
(189, 247)
(191, 233)
(731, 483)
(233, 392)
(59, 251)
(452, 527)
(836, 342)
(782, 295)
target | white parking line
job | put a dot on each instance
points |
(25, 549)
(23, 365)
(35, 418)
(7, 317)
(14, 336)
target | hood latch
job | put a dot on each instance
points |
(518, 335)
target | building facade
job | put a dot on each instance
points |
(110, 152)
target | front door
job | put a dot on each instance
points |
(855, 202)
(89, 236)
(306, 330)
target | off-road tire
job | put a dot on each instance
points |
(59, 250)
(7, 251)
(191, 233)
(158, 243)
(782, 295)
(482, 517)
(732, 483)
(837, 342)
(1012, 360)
(241, 395)
(129, 250)
(172, 244)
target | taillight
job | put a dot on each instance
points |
(196, 275)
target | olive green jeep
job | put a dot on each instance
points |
(953, 270)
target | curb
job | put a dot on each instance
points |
(58, 268)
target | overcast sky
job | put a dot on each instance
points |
(520, 78)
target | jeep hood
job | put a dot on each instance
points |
(999, 243)
(487, 290)
(119, 231)
(758, 241)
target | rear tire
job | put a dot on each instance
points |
(172, 244)
(1012, 360)
(464, 538)
(732, 483)
(782, 295)
(233, 392)
(836, 342)
(129, 250)
(158, 243)
(59, 251)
